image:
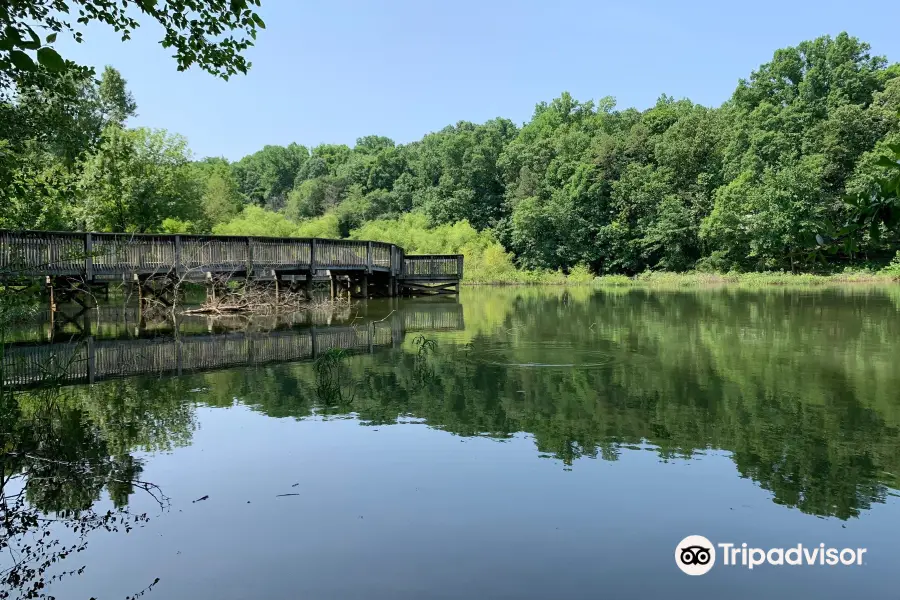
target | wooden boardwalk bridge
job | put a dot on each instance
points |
(76, 261)
(89, 359)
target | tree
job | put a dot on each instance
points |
(136, 179)
(51, 125)
(222, 199)
(795, 132)
(333, 156)
(373, 144)
(267, 176)
(116, 102)
(315, 197)
(457, 174)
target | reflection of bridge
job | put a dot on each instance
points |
(88, 258)
(88, 359)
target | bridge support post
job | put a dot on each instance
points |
(277, 289)
(61, 290)
(52, 298)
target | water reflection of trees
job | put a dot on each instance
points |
(799, 388)
(60, 450)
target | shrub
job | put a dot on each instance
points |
(254, 220)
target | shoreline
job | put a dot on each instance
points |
(700, 280)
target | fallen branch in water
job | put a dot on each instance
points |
(256, 299)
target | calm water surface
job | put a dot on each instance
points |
(522, 443)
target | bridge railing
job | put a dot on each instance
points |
(42, 253)
(93, 359)
(433, 266)
(105, 255)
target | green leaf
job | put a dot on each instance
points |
(35, 41)
(12, 33)
(51, 38)
(875, 231)
(256, 19)
(21, 60)
(50, 59)
(884, 161)
(11, 38)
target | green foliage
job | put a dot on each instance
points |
(580, 274)
(211, 35)
(266, 177)
(137, 178)
(486, 261)
(893, 269)
(116, 102)
(313, 197)
(325, 226)
(54, 123)
(222, 199)
(457, 172)
(254, 220)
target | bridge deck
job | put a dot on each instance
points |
(108, 256)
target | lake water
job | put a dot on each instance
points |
(526, 443)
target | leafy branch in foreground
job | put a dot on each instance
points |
(209, 33)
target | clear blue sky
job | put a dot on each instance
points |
(335, 70)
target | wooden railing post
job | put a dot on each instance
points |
(88, 256)
(249, 257)
(368, 257)
(459, 266)
(312, 255)
(178, 265)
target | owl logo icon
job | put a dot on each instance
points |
(695, 555)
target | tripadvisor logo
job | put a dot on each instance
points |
(696, 555)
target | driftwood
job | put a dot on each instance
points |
(223, 299)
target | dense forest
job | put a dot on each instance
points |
(792, 173)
